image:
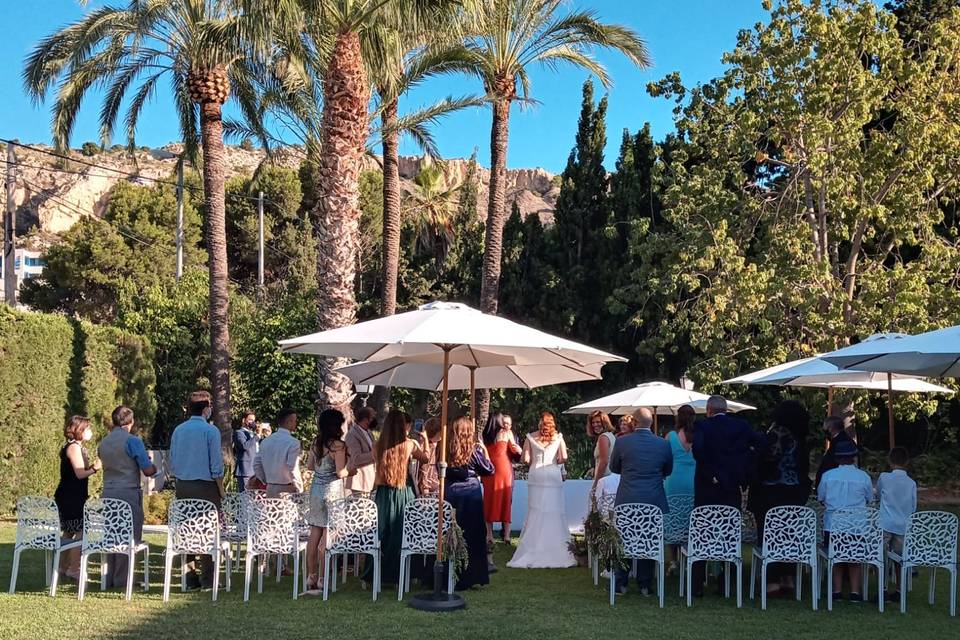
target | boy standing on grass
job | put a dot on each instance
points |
(845, 487)
(898, 501)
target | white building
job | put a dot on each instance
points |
(27, 264)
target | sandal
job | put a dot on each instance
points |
(312, 581)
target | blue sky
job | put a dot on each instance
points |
(688, 36)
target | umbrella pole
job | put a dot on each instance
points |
(829, 401)
(890, 410)
(438, 600)
(473, 397)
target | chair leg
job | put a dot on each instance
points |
(167, 571)
(216, 573)
(105, 566)
(246, 576)
(798, 582)
(46, 568)
(932, 589)
(146, 569)
(953, 590)
(681, 565)
(260, 575)
(763, 585)
(15, 569)
(403, 574)
(406, 584)
(881, 583)
(753, 574)
(326, 574)
(228, 580)
(661, 579)
(829, 585)
(726, 579)
(689, 586)
(82, 587)
(279, 566)
(183, 573)
(865, 581)
(739, 565)
(296, 572)
(131, 559)
(815, 584)
(55, 574)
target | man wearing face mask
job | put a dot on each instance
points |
(197, 464)
(124, 458)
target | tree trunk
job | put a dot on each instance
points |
(391, 210)
(496, 206)
(211, 131)
(337, 214)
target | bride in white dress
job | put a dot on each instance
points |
(543, 541)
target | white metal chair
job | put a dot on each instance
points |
(677, 520)
(108, 528)
(194, 528)
(641, 531)
(604, 505)
(931, 541)
(714, 534)
(419, 537)
(235, 510)
(302, 501)
(789, 536)
(352, 530)
(38, 527)
(855, 538)
(272, 530)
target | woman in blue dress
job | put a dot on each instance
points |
(680, 482)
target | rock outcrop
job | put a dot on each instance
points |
(51, 197)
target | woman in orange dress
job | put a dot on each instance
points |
(502, 446)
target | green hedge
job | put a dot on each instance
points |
(51, 368)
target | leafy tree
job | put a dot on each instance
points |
(90, 149)
(97, 264)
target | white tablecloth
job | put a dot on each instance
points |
(576, 494)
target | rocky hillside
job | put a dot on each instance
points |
(52, 198)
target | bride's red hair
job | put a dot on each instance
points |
(548, 426)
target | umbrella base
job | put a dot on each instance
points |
(437, 602)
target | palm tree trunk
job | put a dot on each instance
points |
(391, 210)
(496, 213)
(345, 127)
(214, 169)
(496, 207)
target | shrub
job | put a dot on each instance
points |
(155, 507)
(54, 368)
(90, 149)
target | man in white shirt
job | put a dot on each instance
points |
(898, 501)
(277, 464)
(845, 487)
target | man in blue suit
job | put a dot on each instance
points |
(643, 461)
(726, 450)
(245, 441)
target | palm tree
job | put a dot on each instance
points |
(503, 40)
(204, 47)
(431, 203)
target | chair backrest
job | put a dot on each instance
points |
(818, 509)
(38, 523)
(677, 520)
(790, 534)
(931, 539)
(420, 524)
(715, 533)
(605, 504)
(302, 500)
(641, 530)
(107, 525)
(235, 512)
(194, 526)
(272, 526)
(352, 525)
(855, 536)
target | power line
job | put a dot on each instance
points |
(125, 174)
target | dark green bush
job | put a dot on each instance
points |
(53, 368)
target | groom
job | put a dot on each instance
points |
(643, 460)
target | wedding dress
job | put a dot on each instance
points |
(544, 538)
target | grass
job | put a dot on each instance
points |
(527, 604)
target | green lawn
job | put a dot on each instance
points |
(528, 604)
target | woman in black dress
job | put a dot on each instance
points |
(469, 462)
(71, 493)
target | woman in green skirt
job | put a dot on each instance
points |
(392, 491)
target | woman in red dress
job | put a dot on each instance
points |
(502, 446)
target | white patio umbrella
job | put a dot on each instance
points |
(445, 334)
(934, 354)
(396, 372)
(818, 372)
(660, 397)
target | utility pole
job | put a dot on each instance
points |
(10, 232)
(260, 241)
(180, 219)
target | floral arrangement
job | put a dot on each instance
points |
(603, 540)
(455, 548)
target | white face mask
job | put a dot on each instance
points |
(88, 435)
